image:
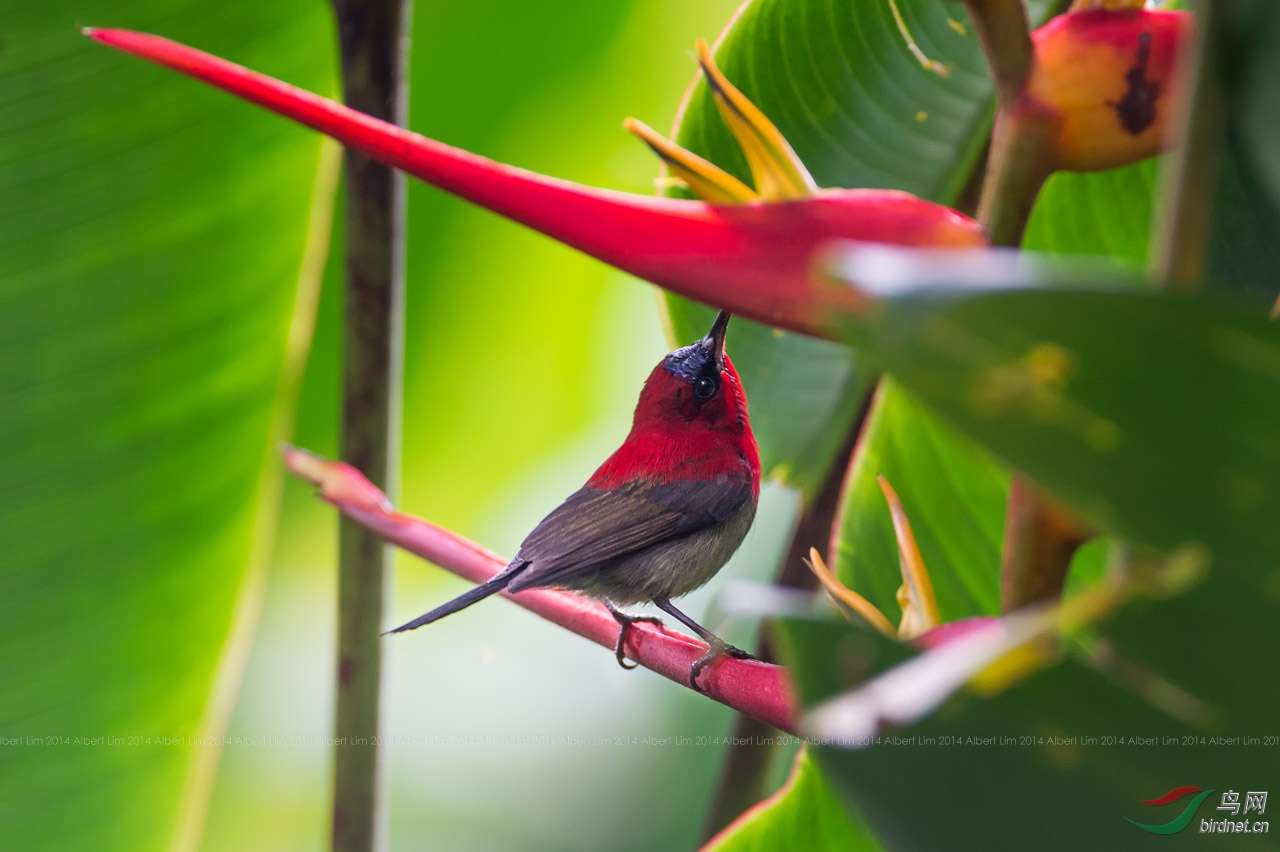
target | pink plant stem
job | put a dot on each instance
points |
(755, 259)
(758, 689)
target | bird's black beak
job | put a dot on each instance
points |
(714, 341)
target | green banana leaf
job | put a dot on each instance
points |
(157, 279)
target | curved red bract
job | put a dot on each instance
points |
(755, 259)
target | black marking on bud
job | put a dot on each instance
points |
(1137, 109)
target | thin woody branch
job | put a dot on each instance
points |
(1036, 554)
(758, 689)
(373, 58)
(1189, 180)
(1041, 538)
(1006, 40)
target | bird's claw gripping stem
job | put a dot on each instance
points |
(715, 650)
(624, 628)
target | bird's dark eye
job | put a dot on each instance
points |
(705, 388)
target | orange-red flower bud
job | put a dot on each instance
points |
(1101, 82)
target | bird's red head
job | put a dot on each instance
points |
(690, 423)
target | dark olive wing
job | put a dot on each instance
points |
(594, 525)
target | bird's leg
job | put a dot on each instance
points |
(624, 627)
(717, 647)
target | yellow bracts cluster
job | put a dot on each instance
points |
(915, 596)
(776, 171)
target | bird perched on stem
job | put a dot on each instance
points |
(663, 514)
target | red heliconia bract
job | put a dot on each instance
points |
(755, 258)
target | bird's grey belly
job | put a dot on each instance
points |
(669, 569)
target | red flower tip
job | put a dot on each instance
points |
(755, 259)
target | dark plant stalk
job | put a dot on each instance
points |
(749, 761)
(1006, 40)
(1040, 536)
(1016, 171)
(372, 43)
(1189, 180)
(1017, 166)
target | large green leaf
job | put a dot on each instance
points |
(150, 262)
(1150, 414)
(1153, 415)
(1102, 214)
(1061, 759)
(1168, 693)
(839, 82)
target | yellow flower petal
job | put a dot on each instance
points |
(842, 594)
(705, 179)
(919, 606)
(775, 168)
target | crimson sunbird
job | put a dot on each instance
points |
(663, 514)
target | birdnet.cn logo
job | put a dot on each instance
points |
(1239, 805)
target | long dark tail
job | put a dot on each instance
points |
(496, 584)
